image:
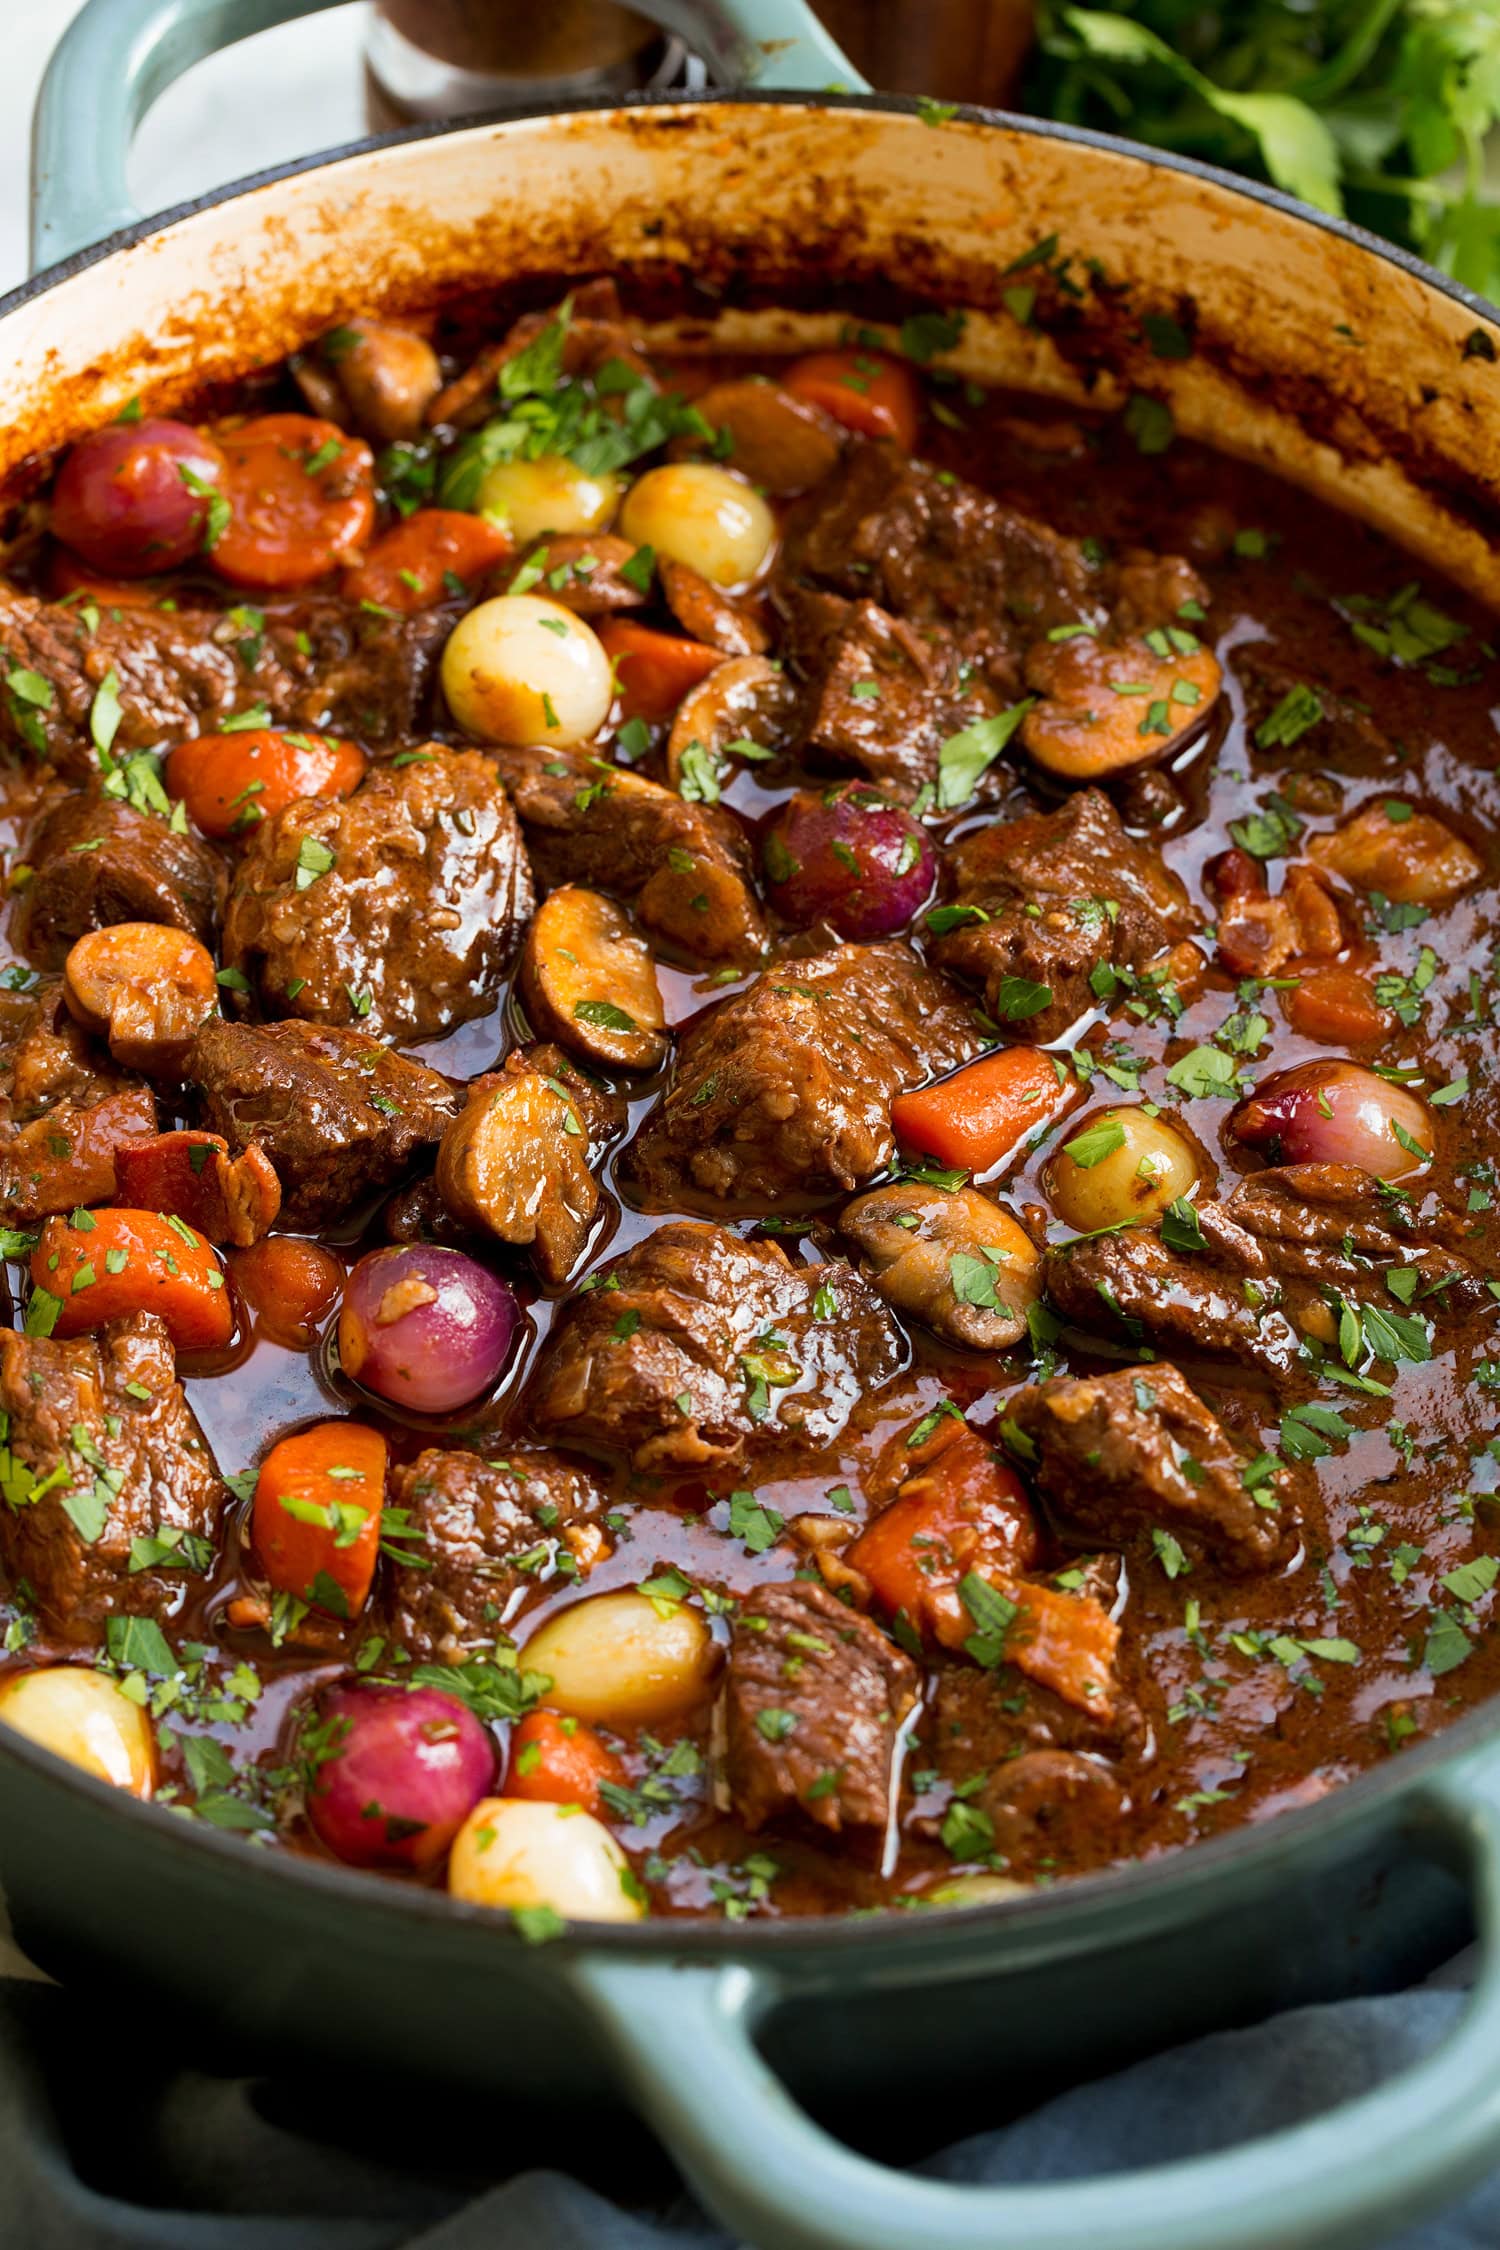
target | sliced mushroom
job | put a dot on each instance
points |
(686, 866)
(1105, 706)
(748, 699)
(781, 443)
(708, 614)
(515, 1162)
(146, 987)
(378, 378)
(582, 571)
(589, 982)
(958, 1262)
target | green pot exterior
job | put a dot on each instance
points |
(262, 1960)
(720, 2034)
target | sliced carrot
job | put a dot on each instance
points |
(1335, 1006)
(433, 556)
(957, 1508)
(316, 1520)
(228, 782)
(654, 670)
(561, 1761)
(70, 579)
(100, 1265)
(865, 391)
(1065, 1642)
(292, 1286)
(980, 1114)
(193, 1176)
(301, 499)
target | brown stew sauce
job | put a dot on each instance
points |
(1232, 1731)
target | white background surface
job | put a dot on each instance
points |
(279, 95)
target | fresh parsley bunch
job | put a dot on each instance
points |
(601, 422)
(1377, 109)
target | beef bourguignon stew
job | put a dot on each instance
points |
(748, 1126)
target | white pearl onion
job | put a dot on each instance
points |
(701, 515)
(549, 494)
(623, 1659)
(524, 670)
(80, 1715)
(519, 1851)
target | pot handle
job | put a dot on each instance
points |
(683, 2040)
(118, 56)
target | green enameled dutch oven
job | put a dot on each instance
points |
(1334, 358)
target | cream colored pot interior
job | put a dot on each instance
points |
(1351, 375)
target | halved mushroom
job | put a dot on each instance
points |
(781, 443)
(708, 614)
(1106, 705)
(589, 982)
(1407, 856)
(685, 865)
(146, 987)
(515, 1162)
(582, 571)
(958, 1262)
(365, 373)
(749, 699)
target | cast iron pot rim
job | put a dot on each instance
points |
(875, 104)
(1190, 1868)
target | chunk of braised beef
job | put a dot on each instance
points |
(815, 1696)
(983, 1718)
(687, 867)
(1062, 900)
(65, 1109)
(96, 860)
(707, 614)
(339, 1116)
(112, 1494)
(582, 570)
(785, 1089)
(1336, 1227)
(937, 551)
(480, 1533)
(1221, 1301)
(694, 1347)
(1272, 1260)
(183, 672)
(1148, 590)
(368, 675)
(1031, 1777)
(1139, 1450)
(396, 908)
(1301, 720)
(879, 696)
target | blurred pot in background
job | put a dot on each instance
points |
(958, 50)
(446, 58)
(450, 58)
